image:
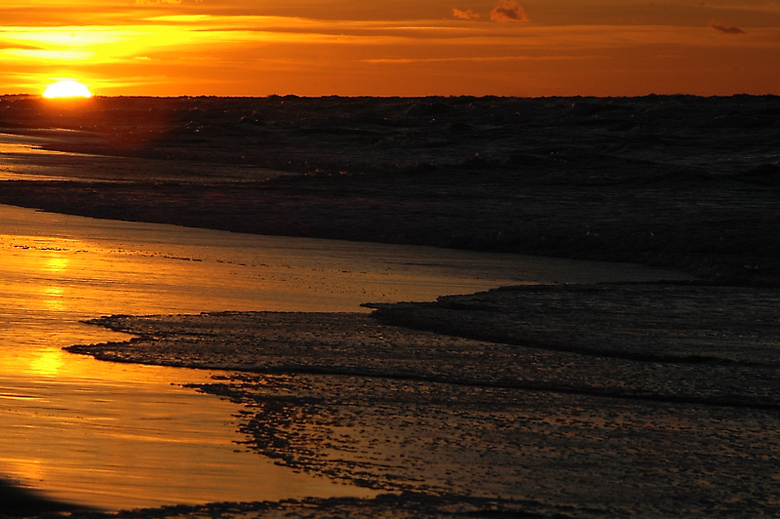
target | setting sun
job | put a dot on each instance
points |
(529, 48)
(67, 88)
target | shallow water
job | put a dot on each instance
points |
(119, 436)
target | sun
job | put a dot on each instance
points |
(67, 88)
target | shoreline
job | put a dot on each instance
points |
(645, 400)
(291, 207)
(240, 388)
(471, 398)
(66, 252)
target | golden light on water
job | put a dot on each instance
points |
(52, 298)
(67, 88)
(47, 362)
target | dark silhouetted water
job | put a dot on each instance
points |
(683, 182)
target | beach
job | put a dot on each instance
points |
(642, 387)
(519, 419)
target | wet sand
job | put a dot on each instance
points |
(546, 400)
(66, 409)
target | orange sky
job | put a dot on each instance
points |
(392, 47)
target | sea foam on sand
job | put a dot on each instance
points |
(544, 398)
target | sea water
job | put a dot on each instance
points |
(119, 436)
(680, 181)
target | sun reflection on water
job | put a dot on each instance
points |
(115, 434)
(24, 469)
(152, 443)
(58, 263)
(46, 363)
(53, 298)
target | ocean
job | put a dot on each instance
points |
(647, 393)
(684, 182)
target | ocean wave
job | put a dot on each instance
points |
(683, 182)
(674, 343)
(721, 135)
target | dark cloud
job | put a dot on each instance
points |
(508, 11)
(468, 14)
(726, 29)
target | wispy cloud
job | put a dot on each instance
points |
(468, 14)
(474, 59)
(726, 29)
(508, 11)
(157, 2)
(246, 47)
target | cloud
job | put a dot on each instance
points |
(157, 2)
(508, 11)
(726, 29)
(468, 14)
